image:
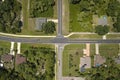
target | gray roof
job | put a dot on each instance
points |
(102, 20)
(39, 22)
(98, 59)
(85, 60)
(117, 60)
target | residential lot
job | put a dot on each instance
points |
(73, 52)
(29, 23)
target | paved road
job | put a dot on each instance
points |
(59, 18)
(60, 49)
(56, 40)
(59, 40)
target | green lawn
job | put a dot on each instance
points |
(109, 50)
(86, 36)
(65, 17)
(25, 46)
(4, 47)
(113, 36)
(79, 21)
(71, 59)
(29, 23)
(92, 53)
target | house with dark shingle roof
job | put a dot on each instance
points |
(6, 58)
(20, 59)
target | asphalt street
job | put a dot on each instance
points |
(59, 18)
(59, 40)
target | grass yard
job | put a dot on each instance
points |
(92, 53)
(71, 59)
(86, 36)
(113, 36)
(109, 50)
(65, 17)
(55, 13)
(49, 13)
(79, 21)
(29, 23)
(25, 46)
(4, 47)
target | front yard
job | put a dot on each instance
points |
(29, 23)
(79, 21)
(109, 50)
(71, 59)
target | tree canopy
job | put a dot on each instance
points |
(49, 27)
(107, 71)
(101, 30)
(75, 1)
(40, 64)
(116, 25)
(10, 11)
(40, 6)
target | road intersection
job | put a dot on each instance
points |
(59, 40)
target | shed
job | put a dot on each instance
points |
(39, 22)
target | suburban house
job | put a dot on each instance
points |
(8, 58)
(85, 61)
(39, 22)
(20, 59)
(117, 60)
(103, 20)
(98, 60)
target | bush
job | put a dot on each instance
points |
(101, 30)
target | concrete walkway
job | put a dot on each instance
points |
(12, 48)
(104, 37)
(97, 48)
(34, 36)
(18, 48)
(54, 20)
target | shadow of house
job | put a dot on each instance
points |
(39, 22)
(98, 60)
